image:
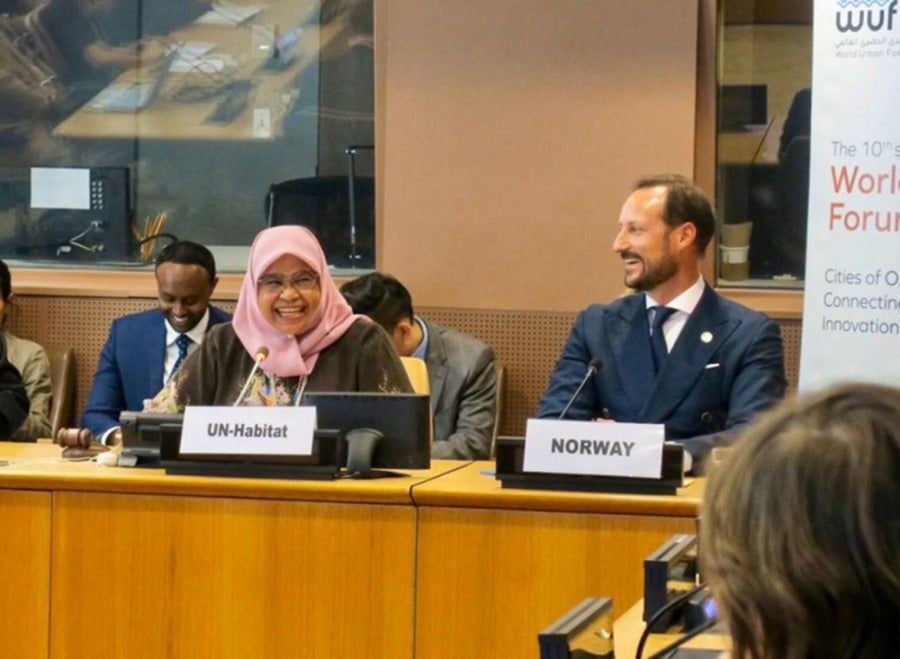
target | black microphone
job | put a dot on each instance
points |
(594, 367)
(262, 352)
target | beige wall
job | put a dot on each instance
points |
(509, 134)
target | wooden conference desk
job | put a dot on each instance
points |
(496, 566)
(102, 562)
(171, 119)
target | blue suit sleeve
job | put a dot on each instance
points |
(107, 398)
(759, 384)
(568, 374)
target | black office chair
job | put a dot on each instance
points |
(794, 188)
(778, 242)
(339, 210)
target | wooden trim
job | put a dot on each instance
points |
(112, 283)
(777, 304)
(142, 284)
(105, 283)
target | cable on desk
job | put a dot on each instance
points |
(681, 599)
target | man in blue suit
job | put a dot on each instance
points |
(144, 349)
(675, 353)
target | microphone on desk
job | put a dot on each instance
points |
(262, 352)
(594, 367)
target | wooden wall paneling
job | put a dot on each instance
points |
(527, 342)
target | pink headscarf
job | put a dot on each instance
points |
(290, 355)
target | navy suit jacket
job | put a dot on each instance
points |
(726, 366)
(130, 368)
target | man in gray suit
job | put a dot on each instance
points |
(461, 371)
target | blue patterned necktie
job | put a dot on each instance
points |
(183, 341)
(658, 316)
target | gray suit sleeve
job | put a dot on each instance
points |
(471, 437)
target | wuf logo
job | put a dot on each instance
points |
(876, 15)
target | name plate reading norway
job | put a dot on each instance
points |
(247, 430)
(593, 448)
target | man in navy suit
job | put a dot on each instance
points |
(707, 366)
(461, 373)
(144, 349)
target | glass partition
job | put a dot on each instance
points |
(765, 74)
(125, 123)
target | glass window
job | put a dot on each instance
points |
(124, 120)
(765, 74)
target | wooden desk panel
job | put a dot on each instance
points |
(223, 577)
(181, 566)
(494, 566)
(441, 564)
(24, 577)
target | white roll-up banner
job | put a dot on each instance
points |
(851, 315)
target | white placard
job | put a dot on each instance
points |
(61, 187)
(247, 430)
(851, 311)
(594, 448)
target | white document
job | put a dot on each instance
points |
(594, 448)
(228, 14)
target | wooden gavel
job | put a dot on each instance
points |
(78, 443)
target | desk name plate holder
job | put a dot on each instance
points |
(511, 460)
(155, 440)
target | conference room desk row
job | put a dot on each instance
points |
(113, 562)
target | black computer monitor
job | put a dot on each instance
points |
(403, 422)
(741, 106)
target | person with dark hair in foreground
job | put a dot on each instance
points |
(461, 373)
(31, 360)
(289, 306)
(800, 532)
(143, 350)
(676, 353)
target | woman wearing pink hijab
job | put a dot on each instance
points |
(289, 310)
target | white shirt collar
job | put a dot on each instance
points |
(196, 333)
(686, 301)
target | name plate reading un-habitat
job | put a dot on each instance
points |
(592, 448)
(209, 430)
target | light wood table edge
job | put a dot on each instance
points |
(463, 489)
(39, 467)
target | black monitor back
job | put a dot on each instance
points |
(743, 105)
(403, 419)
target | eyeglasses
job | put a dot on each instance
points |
(304, 280)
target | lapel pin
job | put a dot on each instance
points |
(706, 337)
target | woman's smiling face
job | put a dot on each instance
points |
(288, 294)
